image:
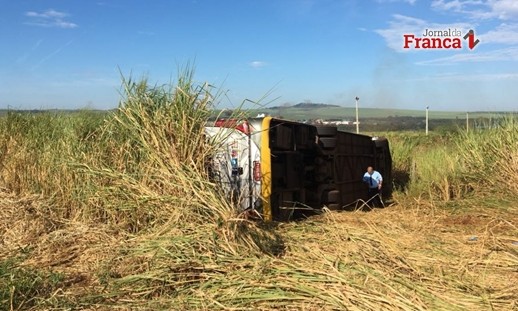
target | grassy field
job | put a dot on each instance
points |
(330, 112)
(115, 211)
(349, 113)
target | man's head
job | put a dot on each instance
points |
(370, 170)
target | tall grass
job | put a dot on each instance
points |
(36, 150)
(137, 167)
(425, 165)
(490, 156)
(448, 166)
(149, 164)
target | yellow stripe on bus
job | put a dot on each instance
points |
(266, 169)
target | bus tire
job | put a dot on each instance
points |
(323, 131)
(332, 196)
(327, 142)
(334, 206)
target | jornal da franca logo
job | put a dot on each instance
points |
(441, 39)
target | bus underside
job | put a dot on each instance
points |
(287, 169)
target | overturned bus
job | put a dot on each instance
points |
(282, 168)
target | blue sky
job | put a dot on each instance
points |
(67, 53)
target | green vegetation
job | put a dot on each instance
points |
(103, 211)
(22, 288)
(446, 166)
(348, 113)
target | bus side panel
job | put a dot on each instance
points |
(353, 154)
(266, 169)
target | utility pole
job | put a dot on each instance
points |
(467, 122)
(357, 121)
(427, 107)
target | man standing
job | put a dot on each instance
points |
(374, 180)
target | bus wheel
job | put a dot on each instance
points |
(326, 130)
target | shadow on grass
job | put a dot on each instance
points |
(401, 180)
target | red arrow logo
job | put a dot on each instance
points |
(470, 36)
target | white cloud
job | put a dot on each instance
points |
(47, 14)
(49, 18)
(257, 64)
(479, 9)
(505, 9)
(455, 5)
(401, 25)
(507, 54)
(411, 2)
(63, 24)
(503, 34)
